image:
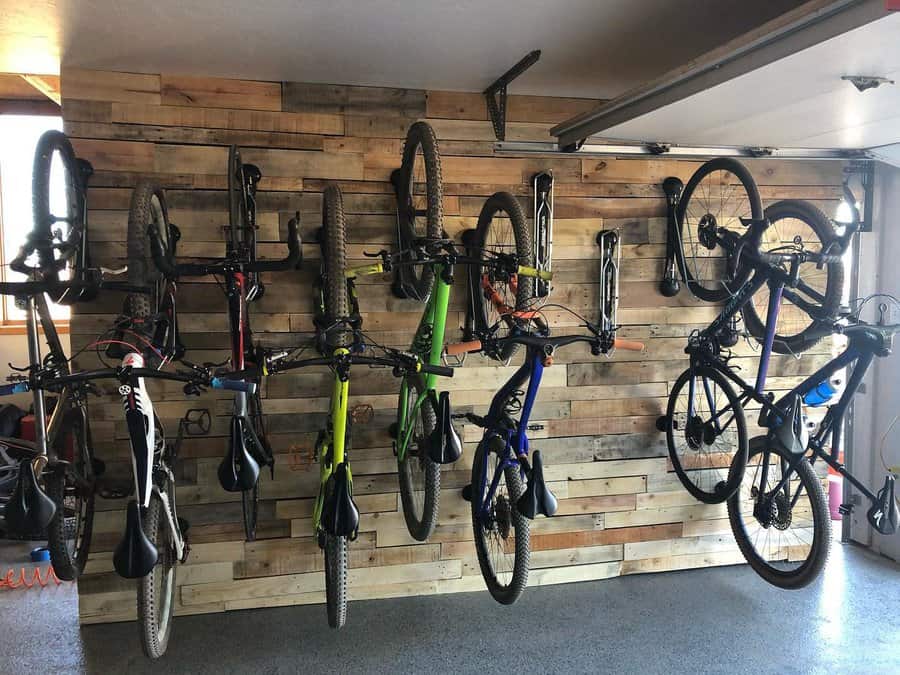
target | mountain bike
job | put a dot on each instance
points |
(507, 490)
(339, 342)
(722, 193)
(705, 430)
(248, 447)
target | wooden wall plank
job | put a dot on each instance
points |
(212, 92)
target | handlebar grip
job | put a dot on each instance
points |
(233, 385)
(830, 258)
(364, 270)
(295, 252)
(525, 271)
(628, 345)
(458, 348)
(442, 371)
(16, 388)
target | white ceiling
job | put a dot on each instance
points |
(798, 101)
(591, 48)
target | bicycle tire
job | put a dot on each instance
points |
(336, 569)
(334, 259)
(148, 205)
(518, 298)
(722, 482)
(420, 279)
(720, 286)
(69, 564)
(810, 567)
(504, 593)
(50, 143)
(156, 605)
(237, 202)
(802, 336)
(415, 471)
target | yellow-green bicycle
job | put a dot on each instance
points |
(335, 515)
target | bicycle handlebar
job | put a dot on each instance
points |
(119, 373)
(172, 270)
(601, 343)
(400, 362)
(24, 288)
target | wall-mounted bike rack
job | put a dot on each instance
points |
(542, 184)
(495, 95)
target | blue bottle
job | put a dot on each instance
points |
(820, 395)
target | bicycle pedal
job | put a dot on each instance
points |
(845, 509)
(114, 488)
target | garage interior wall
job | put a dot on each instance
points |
(622, 510)
(878, 404)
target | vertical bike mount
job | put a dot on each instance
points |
(610, 255)
(669, 286)
(543, 227)
(495, 95)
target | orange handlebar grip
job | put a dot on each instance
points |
(628, 345)
(463, 347)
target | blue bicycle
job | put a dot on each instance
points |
(509, 491)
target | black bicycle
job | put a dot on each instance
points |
(779, 517)
(155, 265)
(723, 194)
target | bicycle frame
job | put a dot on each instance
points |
(333, 441)
(515, 449)
(428, 341)
(855, 353)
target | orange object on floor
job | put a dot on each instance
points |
(10, 581)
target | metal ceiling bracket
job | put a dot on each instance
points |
(495, 95)
(658, 148)
(863, 82)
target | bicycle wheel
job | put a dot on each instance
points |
(720, 193)
(423, 210)
(502, 539)
(72, 489)
(336, 580)
(336, 307)
(706, 434)
(237, 198)
(420, 477)
(156, 591)
(796, 222)
(501, 229)
(250, 498)
(55, 164)
(784, 534)
(148, 206)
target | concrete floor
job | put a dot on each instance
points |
(721, 620)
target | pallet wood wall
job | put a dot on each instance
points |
(622, 511)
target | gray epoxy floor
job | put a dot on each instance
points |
(721, 620)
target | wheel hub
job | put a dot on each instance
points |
(706, 231)
(774, 511)
(695, 433)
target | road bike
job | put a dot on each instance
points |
(507, 490)
(722, 193)
(779, 518)
(152, 243)
(55, 476)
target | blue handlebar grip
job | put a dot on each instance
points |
(234, 385)
(17, 388)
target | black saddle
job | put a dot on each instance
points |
(538, 499)
(340, 517)
(135, 555)
(29, 509)
(444, 444)
(239, 470)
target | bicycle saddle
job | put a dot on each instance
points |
(135, 555)
(29, 509)
(340, 517)
(239, 470)
(444, 444)
(883, 513)
(538, 499)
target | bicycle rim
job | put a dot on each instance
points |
(705, 431)
(784, 534)
(719, 194)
